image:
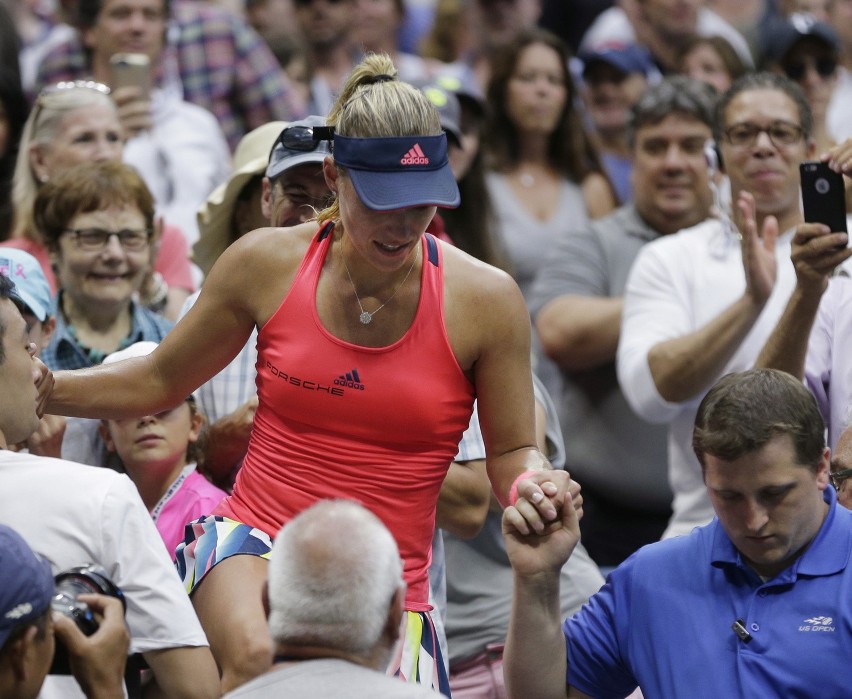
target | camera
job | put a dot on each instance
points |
(70, 584)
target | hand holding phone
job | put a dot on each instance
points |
(823, 196)
(131, 70)
(131, 90)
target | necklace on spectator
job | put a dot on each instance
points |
(366, 317)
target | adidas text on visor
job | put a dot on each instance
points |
(398, 172)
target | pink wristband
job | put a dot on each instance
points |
(513, 491)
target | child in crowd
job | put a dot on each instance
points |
(158, 453)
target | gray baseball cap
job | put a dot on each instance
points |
(297, 144)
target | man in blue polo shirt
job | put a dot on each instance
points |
(757, 603)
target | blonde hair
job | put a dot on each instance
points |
(373, 103)
(41, 128)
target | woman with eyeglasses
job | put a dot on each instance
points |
(97, 220)
(373, 340)
(72, 123)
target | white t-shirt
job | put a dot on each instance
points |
(678, 284)
(73, 514)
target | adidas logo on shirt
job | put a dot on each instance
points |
(415, 156)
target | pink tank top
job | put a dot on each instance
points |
(336, 420)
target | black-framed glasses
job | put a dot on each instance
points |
(837, 477)
(303, 138)
(796, 69)
(96, 239)
(781, 133)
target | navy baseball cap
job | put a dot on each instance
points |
(628, 58)
(780, 34)
(399, 171)
(26, 583)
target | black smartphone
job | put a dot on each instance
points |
(823, 196)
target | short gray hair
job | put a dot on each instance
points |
(333, 572)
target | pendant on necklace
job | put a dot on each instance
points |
(365, 318)
(527, 180)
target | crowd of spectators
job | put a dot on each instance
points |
(631, 168)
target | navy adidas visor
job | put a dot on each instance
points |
(398, 172)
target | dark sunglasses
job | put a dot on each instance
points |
(795, 70)
(303, 138)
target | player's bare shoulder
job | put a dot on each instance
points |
(473, 282)
(282, 248)
(482, 306)
(258, 269)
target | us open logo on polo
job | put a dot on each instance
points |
(818, 623)
(415, 156)
(19, 611)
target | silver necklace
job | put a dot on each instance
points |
(366, 317)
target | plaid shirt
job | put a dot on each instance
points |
(222, 63)
(64, 352)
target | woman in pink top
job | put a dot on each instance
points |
(367, 286)
(159, 453)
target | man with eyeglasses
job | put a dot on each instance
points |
(806, 51)
(811, 338)
(757, 603)
(278, 180)
(697, 303)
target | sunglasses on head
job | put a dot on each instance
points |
(75, 85)
(49, 91)
(795, 70)
(303, 138)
